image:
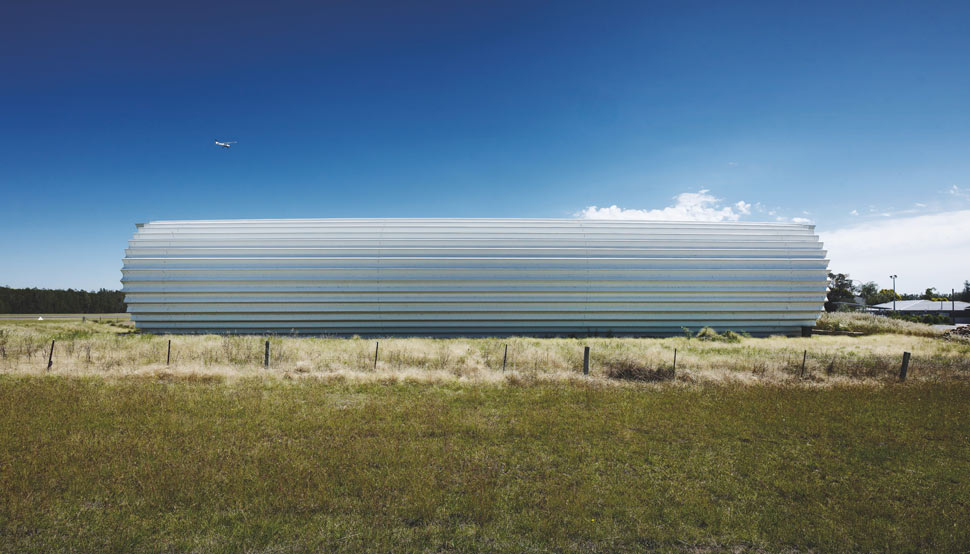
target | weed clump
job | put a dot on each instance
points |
(709, 334)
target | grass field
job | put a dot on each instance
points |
(141, 464)
(109, 350)
(439, 450)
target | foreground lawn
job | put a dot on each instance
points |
(140, 464)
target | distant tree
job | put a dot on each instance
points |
(868, 291)
(929, 294)
(840, 291)
(964, 295)
(883, 296)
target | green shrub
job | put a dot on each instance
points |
(928, 319)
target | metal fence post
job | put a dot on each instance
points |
(377, 347)
(168, 357)
(505, 358)
(904, 367)
(266, 356)
(50, 358)
(586, 361)
(675, 359)
(804, 357)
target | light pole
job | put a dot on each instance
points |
(893, 277)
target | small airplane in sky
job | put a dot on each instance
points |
(225, 144)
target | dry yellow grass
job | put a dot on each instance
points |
(104, 350)
(871, 324)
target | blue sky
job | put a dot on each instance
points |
(854, 116)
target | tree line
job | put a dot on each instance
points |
(60, 301)
(842, 292)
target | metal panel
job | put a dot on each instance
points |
(472, 277)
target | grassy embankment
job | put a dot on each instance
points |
(870, 324)
(200, 457)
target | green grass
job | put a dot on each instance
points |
(213, 464)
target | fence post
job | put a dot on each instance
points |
(168, 357)
(804, 357)
(904, 367)
(586, 361)
(675, 359)
(50, 358)
(376, 348)
(266, 356)
(505, 357)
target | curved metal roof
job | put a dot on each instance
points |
(472, 276)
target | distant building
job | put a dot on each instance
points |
(958, 311)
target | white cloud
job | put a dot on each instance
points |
(959, 192)
(801, 220)
(688, 206)
(854, 212)
(925, 250)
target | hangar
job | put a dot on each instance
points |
(473, 277)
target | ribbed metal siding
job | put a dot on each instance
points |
(472, 276)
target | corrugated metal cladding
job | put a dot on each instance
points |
(472, 277)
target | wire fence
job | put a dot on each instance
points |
(612, 358)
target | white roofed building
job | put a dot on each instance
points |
(958, 311)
